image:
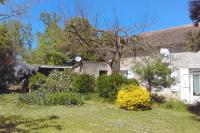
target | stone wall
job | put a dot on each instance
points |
(169, 94)
(93, 68)
(185, 60)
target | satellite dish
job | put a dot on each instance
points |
(164, 51)
(165, 55)
(78, 58)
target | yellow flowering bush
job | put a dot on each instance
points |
(132, 97)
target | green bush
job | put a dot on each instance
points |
(94, 97)
(107, 86)
(37, 81)
(59, 81)
(51, 99)
(64, 99)
(132, 81)
(132, 97)
(155, 98)
(84, 83)
(174, 105)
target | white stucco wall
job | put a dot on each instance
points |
(181, 63)
(127, 64)
(185, 86)
(185, 62)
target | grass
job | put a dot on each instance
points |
(91, 118)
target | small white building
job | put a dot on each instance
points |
(94, 68)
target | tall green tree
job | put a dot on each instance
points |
(6, 48)
(12, 44)
(51, 49)
(80, 38)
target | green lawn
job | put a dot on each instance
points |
(91, 118)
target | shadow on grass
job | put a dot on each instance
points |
(24, 125)
(197, 118)
(195, 109)
(7, 91)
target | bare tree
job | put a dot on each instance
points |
(107, 45)
(2, 1)
(13, 10)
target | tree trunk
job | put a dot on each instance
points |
(115, 65)
(149, 88)
(25, 83)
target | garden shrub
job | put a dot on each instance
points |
(41, 91)
(132, 97)
(155, 98)
(52, 90)
(132, 81)
(174, 105)
(94, 97)
(64, 99)
(52, 99)
(59, 81)
(107, 86)
(84, 83)
(37, 81)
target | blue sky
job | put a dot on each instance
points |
(162, 13)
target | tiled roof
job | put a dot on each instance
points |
(172, 38)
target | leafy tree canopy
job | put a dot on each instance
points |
(12, 43)
(155, 73)
(51, 49)
(80, 37)
(6, 47)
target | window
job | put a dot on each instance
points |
(196, 85)
(102, 72)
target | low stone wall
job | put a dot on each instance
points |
(169, 93)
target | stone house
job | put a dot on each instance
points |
(186, 64)
(186, 68)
